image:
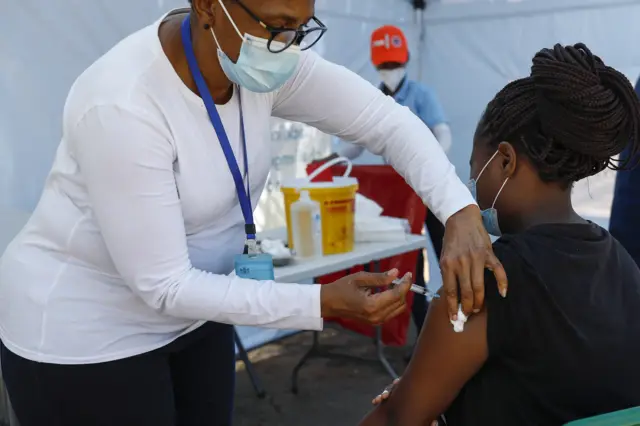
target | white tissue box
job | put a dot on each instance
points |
(378, 237)
(378, 229)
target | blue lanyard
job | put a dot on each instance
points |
(244, 195)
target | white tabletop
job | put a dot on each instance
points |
(362, 254)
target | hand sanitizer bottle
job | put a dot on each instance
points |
(306, 227)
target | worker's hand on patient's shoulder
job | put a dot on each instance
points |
(466, 252)
(352, 297)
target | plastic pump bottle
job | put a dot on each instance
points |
(306, 227)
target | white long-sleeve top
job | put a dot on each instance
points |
(441, 131)
(133, 239)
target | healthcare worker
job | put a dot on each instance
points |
(116, 299)
(390, 56)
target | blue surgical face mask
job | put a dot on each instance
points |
(490, 215)
(257, 69)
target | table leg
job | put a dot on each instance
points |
(312, 352)
(380, 353)
(378, 340)
(320, 351)
(253, 376)
(317, 351)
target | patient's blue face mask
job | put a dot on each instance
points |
(257, 68)
(490, 215)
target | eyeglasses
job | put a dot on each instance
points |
(283, 38)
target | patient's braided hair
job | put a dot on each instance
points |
(571, 116)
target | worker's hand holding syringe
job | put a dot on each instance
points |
(355, 296)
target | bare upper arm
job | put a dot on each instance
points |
(442, 363)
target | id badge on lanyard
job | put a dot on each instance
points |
(251, 264)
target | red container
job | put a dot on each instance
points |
(324, 176)
(386, 187)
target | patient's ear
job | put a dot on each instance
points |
(508, 158)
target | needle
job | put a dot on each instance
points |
(417, 289)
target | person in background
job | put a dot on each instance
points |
(390, 56)
(564, 345)
(624, 224)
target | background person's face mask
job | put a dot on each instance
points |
(490, 215)
(392, 78)
(257, 69)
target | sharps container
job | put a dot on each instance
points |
(337, 207)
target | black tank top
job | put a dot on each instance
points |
(565, 343)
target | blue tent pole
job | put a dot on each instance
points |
(420, 6)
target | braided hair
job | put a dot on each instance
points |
(571, 116)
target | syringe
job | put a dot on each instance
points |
(417, 289)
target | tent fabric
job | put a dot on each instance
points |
(474, 48)
(43, 48)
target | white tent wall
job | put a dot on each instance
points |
(44, 46)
